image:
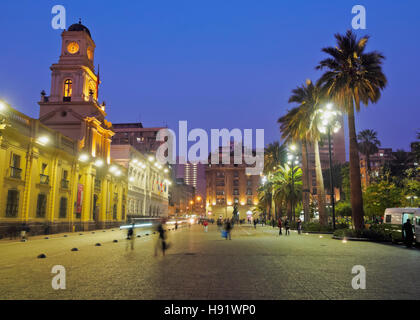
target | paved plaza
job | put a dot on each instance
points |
(255, 264)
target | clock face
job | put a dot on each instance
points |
(73, 47)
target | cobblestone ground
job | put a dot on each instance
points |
(256, 264)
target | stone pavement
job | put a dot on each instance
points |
(255, 264)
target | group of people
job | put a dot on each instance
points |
(280, 224)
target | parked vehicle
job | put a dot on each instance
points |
(396, 217)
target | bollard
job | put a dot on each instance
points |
(42, 256)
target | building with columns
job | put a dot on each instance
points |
(59, 174)
(148, 182)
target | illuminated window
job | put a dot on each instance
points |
(68, 89)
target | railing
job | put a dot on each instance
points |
(65, 184)
(15, 173)
(44, 179)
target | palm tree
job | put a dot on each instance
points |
(274, 155)
(287, 182)
(300, 123)
(352, 77)
(368, 143)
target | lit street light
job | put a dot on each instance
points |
(330, 122)
(293, 161)
(411, 198)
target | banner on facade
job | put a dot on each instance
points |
(79, 198)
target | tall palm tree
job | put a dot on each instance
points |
(352, 77)
(300, 123)
(274, 155)
(287, 182)
(368, 143)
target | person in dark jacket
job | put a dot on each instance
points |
(408, 233)
(228, 229)
(279, 225)
(299, 226)
(287, 227)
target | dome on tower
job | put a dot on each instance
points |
(79, 27)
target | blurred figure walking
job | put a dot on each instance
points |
(206, 225)
(279, 226)
(299, 226)
(228, 229)
(131, 237)
(287, 227)
(161, 244)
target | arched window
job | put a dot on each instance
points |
(68, 89)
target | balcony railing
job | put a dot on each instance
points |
(44, 179)
(65, 184)
(15, 173)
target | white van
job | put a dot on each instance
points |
(399, 216)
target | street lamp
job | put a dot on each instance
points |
(293, 160)
(411, 198)
(330, 122)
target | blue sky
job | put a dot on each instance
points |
(214, 63)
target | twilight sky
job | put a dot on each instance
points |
(217, 64)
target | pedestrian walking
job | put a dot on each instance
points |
(176, 225)
(206, 225)
(162, 240)
(279, 226)
(299, 226)
(131, 237)
(287, 227)
(255, 223)
(228, 229)
(408, 233)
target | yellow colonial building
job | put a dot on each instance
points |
(56, 172)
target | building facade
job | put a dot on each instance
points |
(142, 139)
(148, 182)
(47, 187)
(193, 174)
(182, 199)
(58, 171)
(228, 186)
(377, 161)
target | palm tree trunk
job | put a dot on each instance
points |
(273, 204)
(367, 169)
(323, 218)
(305, 181)
(356, 198)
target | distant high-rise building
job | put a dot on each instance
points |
(194, 175)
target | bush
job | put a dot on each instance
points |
(343, 209)
(375, 232)
(316, 227)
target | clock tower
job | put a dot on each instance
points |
(72, 107)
